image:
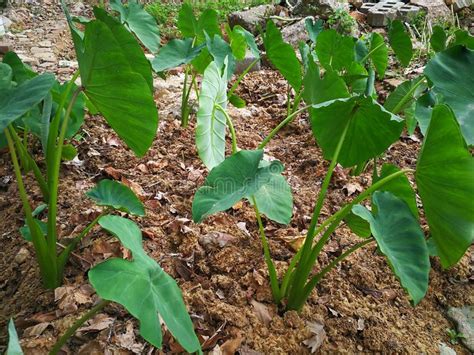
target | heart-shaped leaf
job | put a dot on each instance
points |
(113, 194)
(211, 122)
(370, 129)
(378, 53)
(175, 53)
(335, 51)
(139, 22)
(239, 176)
(401, 240)
(314, 28)
(400, 42)
(282, 56)
(111, 57)
(21, 72)
(191, 27)
(143, 288)
(438, 39)
(16, 101)
(445, 180)
(452, 74)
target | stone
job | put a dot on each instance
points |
(458, 5)
(241, 65)
(434, 8)
(321, 8)
(463, 317)
(68, 64)
(295, 33)
(407, 12)
(251, 19)
(379, 14)
(22, 255)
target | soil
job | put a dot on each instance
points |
(219, 263)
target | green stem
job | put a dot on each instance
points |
(231, 128)
(36, 233)
(288, 100)
(241, 76)
(316, 278)
(289, 273)
(31, 163)
(54, 181)
(268, 259)
(297, 101)
(184, 99)
(369, 89)
(282, 124)
(77, 324)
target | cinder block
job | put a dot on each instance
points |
(366, 7)
(407, 12)
(379, 17)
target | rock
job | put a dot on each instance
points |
(22, 255)
(241, 65)
(45, 43)
(295, 33)
(68, 64)
(252, 18)
(434, 8)
(458, 5)
(322, 8)
(464, 319)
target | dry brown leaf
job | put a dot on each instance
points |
(262, 312)
(315, 342)
(36, 330)
(294, 242)
(98, 323)
(238, 205)
(143, 168)
(351, 188)
(217, 239)
(135, 187)
(113, 141)
(128, 340)
(113, 173)
(230, 346)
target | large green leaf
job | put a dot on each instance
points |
(445, 180)
(378, 53)
(335, 51)
(113, 194)
(117, 87)
(452, 74)
(370, 129)
(211, 122)
(143, 288)
(222, 54)
(282, 56)
(318, 90)
(239, 176)
(438, 39)
(274, 199)
(424, 109)
(189, 26)
(14, 347)
(463, 38)
(21, 72)
(175, 53)
(16, 101)
(140, 22)
(400, 41)
(404, 95)
(6, 75)
(400, 238)
(240, 39)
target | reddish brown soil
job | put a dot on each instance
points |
(218, 263)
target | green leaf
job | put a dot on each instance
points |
(238, 176)
(274, 198)
(139, 22)
(282, 56)
(438, 39)
(424, 110)
(105, 65)
(175, 53)
(400, 186)
(318, 90)
(211, 122)
(6, 75)
(401, 43)
(334, 50)
(463, 38)
(113, 194)
(21, 72)
(69, 152)
(378, 54)
(143, 288)
(222, 54)
(404, 95)
(249, 40)
(15, 102)
(356, 77)
(445, 180)
(452, 74)
(238, 42)
(189, 26)
(401, 240)
(187, 22)
(76, 118)
(26, 232)
(358, 225)
(370, 129)
(314, 28)
(14, 347)
(237, 101)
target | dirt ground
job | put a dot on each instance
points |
(219, 263)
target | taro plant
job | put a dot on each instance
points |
(202, 43)
(352, 128)
(116, 81)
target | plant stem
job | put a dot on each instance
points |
(371, 52)
(36, 234)
(241, 76)
(231, 128)
(184, 99)
(316, 278)
(70, 332)
(408, 96)
(268, 259)
(297, 101)
(54, 183)
(282, 124)
(369, 89)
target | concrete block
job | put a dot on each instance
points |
(407, 12)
